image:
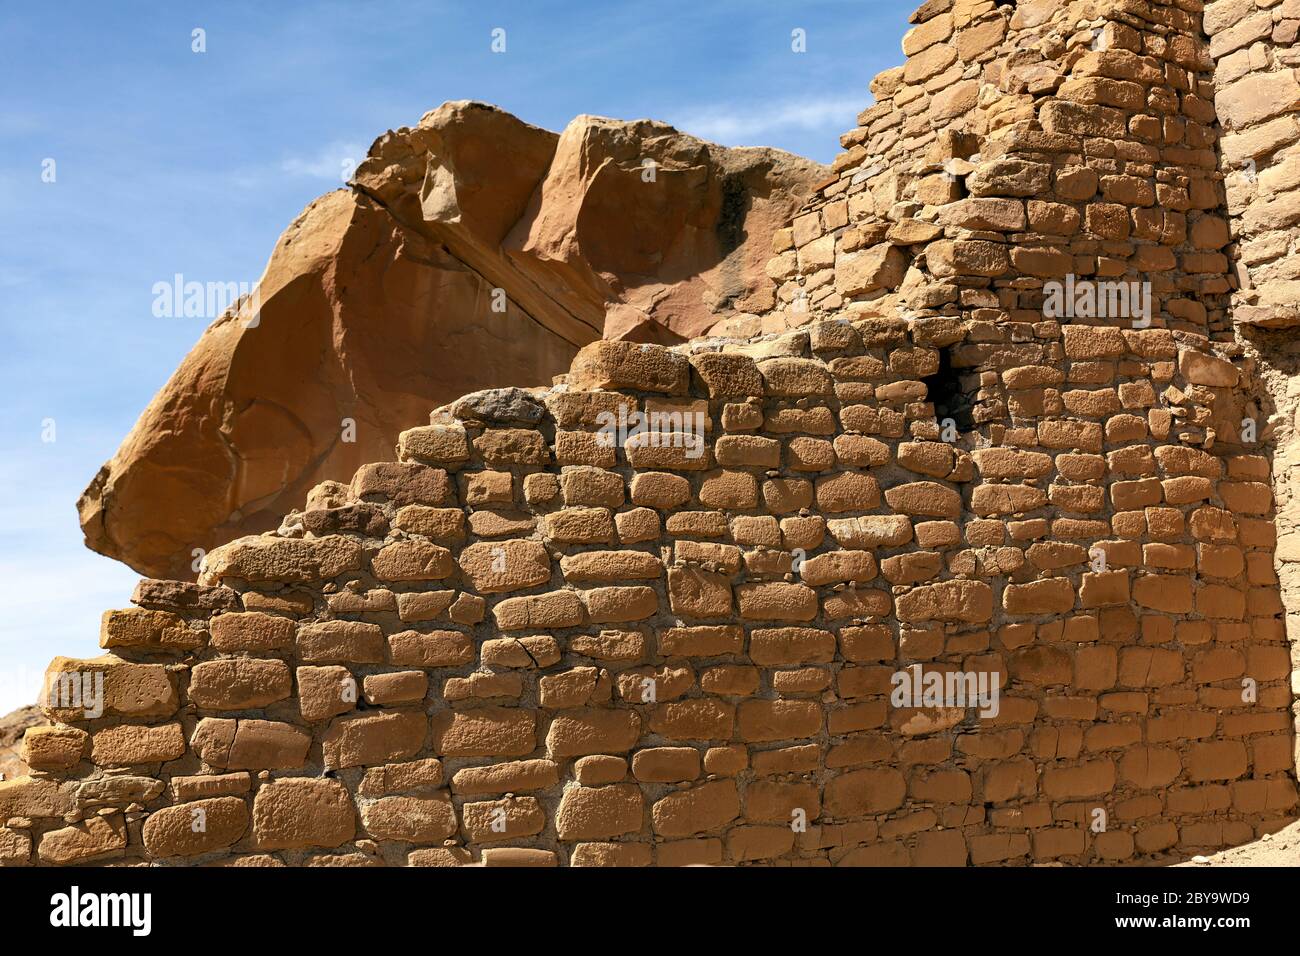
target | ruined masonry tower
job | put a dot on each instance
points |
(519, 644)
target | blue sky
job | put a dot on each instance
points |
(170, 161)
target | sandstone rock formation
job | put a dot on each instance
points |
(473, 250)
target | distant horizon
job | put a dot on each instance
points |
(134, 157)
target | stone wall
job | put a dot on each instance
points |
(1021, 143)
(521, 643)
(1258, 100)
(529, 641)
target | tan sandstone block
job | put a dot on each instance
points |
(293, 813)
(202, 826)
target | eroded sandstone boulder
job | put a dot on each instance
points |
(472, 251)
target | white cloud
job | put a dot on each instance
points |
(747, 124)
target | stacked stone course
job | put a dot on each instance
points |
(1258, 99)
(521, 643)
(1020, 144)
(570, 652)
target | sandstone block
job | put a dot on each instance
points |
(260, 558)
(76, 690)
(556, 609)
(430, 649)
(498, 567)
(483, 732)
(795, 378)
(702, 809)
(411, 819)
(509, 777)
(93, 838)
(202, 826)
(609, 366)
(508, 818)
(373, 738)
(127, 745)
(412, 561)
(859, 792)
(403, 483)
(239, 683)
(776, 601)
(248, 744)
(587, 813)
(138, 627)
(291, 813)
(971, 257)
(341, 642)
(251, 631)
(969, 601)
(54, 748)
(762, 720)
(727, 374)
(1049, 596)
(593, 731)
(325, 692)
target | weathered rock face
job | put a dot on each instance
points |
(473, 251)
(667, 232)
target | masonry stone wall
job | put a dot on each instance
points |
(531, 641)
(1257, 99)
(1019, 144)
(1258, 102)
(522, 644)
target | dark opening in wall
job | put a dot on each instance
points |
(950, 400)
(736, 201)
